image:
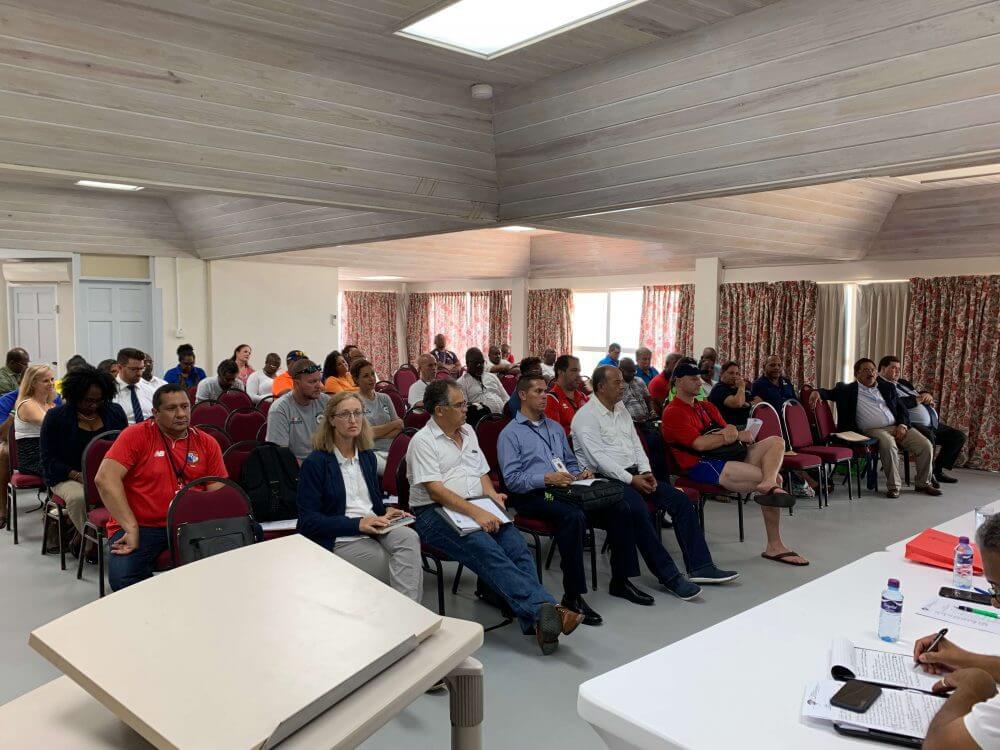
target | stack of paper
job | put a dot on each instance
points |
(890, 668)
(896, 712)
(947, 610)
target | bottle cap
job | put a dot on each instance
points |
(893, 583)
(963, 540)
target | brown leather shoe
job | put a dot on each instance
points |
(929, 489)
(892, 493)
(569, 620)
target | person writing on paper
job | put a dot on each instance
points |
(693, 429)
(140, 475)
(605, 440)
(446, 468)
(970, 718)
(340, 500)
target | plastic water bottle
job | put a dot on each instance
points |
(962, 578)
(891, 613)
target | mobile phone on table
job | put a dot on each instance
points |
(856, 696)
(963, 595)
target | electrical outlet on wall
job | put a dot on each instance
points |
(179, 333)
(333, 320)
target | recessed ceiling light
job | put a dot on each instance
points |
(380, 278)
(517, 229)
(108, 185)
(488, 29)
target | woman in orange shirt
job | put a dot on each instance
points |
(336, 374)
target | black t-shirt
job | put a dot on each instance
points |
(718, 397)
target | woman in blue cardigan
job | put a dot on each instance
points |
(340, 501)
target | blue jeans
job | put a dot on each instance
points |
(501, 559)
(124, 570)
(684, 516)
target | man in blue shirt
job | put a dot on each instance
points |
(773, 386)
(644, 365)
(614, 352)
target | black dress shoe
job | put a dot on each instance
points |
(624, 589)
(577, 604)
(944, 478)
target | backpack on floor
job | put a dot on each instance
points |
(271, 479)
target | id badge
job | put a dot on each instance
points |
(559, 465)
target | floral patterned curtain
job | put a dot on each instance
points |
(369, 321)
(953, 350)
(760, 319)
(418, 337)
(667, 323)
(550, 321)
(489, 318)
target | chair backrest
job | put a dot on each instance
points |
(235, 456)
(509, 382)
(416, 417)
(404, 377)
(398, 402)
(220, 435)
(769, 416)
(797, 424)
(12, 446)
(264, 405)
(244, 424)
(402, 485)
(93, 454)
(262, 433)
(192, 393)
(488, 433)
(645, 443)
(192, 504)
(210, 412)
(670, 460)
(825, 424)
(442, 375)
(234, 399)
(386, 386)
(397, 452)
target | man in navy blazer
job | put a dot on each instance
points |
(873, 408)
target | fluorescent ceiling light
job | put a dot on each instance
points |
(381, 278)
(490, 28)
(108, 185)
(517, 229)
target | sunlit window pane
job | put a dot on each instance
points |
(590, 319)
(626, 309)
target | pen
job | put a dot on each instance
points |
(983, 591)
(982, 612)
(934, 644)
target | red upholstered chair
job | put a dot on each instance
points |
(397, 451)
(800, 437)
(404, 377)
(398, 403)
(416, 417)
(192, 393)
(262, 433)
(702, 490)
(209, 413)
(264, 405)
(825, 428)
(442, 375)
(509, 382)
(488, 433)
(385, 386)
(95, 529)
(773, 427)
(220, 435)
(235, 456)
(244, 424)
(234, 399)
(193, 505)
(20, 481)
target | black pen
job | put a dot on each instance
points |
(934, 644)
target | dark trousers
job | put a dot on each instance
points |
(124, 570)
(949, 439)
(686, 527)
(570, 524)
(657, 459)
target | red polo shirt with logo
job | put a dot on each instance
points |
(562, 408)
(683, 424)
(151, 483)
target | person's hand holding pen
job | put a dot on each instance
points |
(942, 658)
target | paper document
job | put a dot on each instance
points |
(289, 524)
(897, 711)
(852, 437)
(465, 524)
(947, 610)
(585, 482)
(753, 426)
(850, 662)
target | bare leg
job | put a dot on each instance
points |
(767, 455)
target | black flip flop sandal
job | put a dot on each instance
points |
(783, 558)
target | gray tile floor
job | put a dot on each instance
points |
(526, 694)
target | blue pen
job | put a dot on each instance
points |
(982, 591)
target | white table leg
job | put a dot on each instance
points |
(465, 690)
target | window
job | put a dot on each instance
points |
(602, 318)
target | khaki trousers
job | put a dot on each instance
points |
(888, 449)
(393, 558)
(76, 508)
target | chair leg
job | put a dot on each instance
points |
(438, 573)
(739, 508)
(12, 499)
(46, 519)
(552, 551)
(62, 541)
(100, 562)
(458, 579)
(593, 559)
(83, 550)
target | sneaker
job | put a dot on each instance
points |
(682, 588)
(711, 574)
(803, 490)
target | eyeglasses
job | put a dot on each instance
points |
(308, 370)
(349, 415)
(463, 405)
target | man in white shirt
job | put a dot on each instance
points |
(260, 383)
(970, 718)
(226, 379)
(147, 374)
(549, 364)
(497, 363)
(605, 441)
(135, 395)
(481, 387)
(427, 369)
(446, 468)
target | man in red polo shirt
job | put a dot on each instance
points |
(140, 475)
(566, 395)
(691, 428)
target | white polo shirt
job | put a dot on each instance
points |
(432, 456)
(983, 723)
(416, 393)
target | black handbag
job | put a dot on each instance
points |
(202, 539)
(598, 495)
(733, 452)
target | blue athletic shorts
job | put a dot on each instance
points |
(707, 470)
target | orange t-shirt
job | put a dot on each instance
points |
(281, 383)
(334, 384)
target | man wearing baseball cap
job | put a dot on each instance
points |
(699, 439)
(283, 381)
(293, 418)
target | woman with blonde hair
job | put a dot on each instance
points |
(340, 500)
(35, 397)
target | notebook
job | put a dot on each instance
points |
(466, 525)
(886, 668)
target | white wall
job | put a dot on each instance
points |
(272, 307)
(189, 323)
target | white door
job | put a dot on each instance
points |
(115, 315)
(33, 322)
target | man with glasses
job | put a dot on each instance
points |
(135, 395)
(872, 406)
(292, 420)
(970, 718)
(446, 468)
